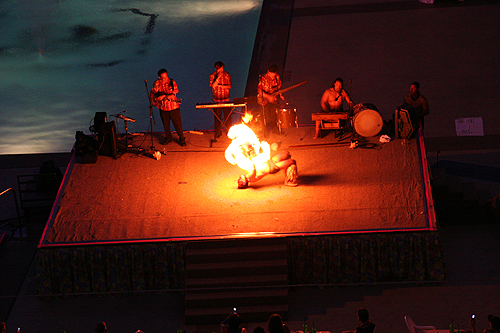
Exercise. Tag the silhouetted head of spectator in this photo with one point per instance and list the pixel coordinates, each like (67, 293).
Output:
(259, 329)
(101, 327)
(3, 328)
(494, 322)
(234, 322)
(275, 324)
(363, 315)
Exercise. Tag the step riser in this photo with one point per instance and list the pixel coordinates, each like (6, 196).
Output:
(231, 303)
(220, 276)
(247, 317)
(237, 257)
(227, 273)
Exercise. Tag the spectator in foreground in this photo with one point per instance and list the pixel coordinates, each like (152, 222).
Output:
(494, 324)
(232, 324)
(259, 329)
(101, 327)
(365, 325)
(275, 324)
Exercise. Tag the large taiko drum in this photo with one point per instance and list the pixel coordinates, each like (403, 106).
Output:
(287, 116)
(366, 120)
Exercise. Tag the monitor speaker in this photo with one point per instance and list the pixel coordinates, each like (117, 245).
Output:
(108, 139)
(100, 119)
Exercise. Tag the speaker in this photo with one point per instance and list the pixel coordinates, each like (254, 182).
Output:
(108, 140)
(405, 122)
(100, 119)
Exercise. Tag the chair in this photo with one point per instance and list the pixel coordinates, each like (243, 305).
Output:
(416, 328)
(37, 194)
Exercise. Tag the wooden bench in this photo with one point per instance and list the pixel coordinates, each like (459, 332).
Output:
(329, 120)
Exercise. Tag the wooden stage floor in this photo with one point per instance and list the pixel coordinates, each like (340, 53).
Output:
(191, 193)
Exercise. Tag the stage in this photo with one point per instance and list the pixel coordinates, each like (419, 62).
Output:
(138, 206)
(191, 193)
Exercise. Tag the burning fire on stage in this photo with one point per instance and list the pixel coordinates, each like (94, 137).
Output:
(254, 156)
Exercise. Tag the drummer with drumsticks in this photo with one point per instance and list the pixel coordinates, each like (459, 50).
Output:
(333, 100)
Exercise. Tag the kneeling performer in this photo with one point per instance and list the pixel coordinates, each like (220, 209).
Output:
(254, 156)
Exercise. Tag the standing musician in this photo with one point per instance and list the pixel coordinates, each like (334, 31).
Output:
(164, 97)
(417, 101)
(269, 84)
(220, 81)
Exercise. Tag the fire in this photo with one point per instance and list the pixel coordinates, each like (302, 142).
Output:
(246, 150)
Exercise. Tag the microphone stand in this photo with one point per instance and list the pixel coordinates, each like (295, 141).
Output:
(350, 93)
(151, 119)
(151, 116)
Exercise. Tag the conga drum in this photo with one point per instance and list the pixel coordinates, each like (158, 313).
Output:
(366, 120)
(287, 116)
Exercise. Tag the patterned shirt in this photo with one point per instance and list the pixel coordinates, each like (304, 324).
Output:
(169, 87)
(220, 94)
(269, 85)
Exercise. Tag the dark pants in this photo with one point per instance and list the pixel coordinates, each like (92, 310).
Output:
(226, 120)
(271, 119)
(175, 116)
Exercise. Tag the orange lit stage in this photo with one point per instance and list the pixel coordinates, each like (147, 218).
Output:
(191, 193)
(124, 224)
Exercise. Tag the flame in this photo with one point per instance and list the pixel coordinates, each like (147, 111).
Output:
(246, 150)
(247, 117)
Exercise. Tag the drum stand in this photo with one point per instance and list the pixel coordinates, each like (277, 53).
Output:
(125, 120)
(126, 132)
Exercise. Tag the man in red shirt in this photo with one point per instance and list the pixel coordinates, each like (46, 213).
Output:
(164, 97)
(220, 81)
(269, 84)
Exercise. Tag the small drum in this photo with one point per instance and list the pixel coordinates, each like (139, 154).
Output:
(287, 116)
(367, 120)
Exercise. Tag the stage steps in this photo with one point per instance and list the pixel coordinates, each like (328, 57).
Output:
(247, 274)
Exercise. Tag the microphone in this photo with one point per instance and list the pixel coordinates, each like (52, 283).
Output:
(340, 93)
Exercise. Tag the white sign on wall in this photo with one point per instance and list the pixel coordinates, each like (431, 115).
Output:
(469, 126)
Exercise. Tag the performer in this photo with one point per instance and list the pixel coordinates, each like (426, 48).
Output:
(164, 97)
(269, 84)
(418, 102)
(220, 81)
(254, 156)
(333, 100)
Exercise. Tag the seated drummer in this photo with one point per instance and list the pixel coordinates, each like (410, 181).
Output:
(333, 100)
